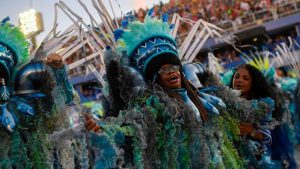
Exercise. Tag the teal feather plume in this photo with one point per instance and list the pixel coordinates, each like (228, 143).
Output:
(139, 32)
(15, 39)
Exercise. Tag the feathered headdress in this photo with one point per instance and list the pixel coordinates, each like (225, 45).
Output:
(263, 63)
(286, 56)
(13, 48)
(149, 45)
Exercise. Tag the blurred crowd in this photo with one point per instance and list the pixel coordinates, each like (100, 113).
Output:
(214, 11)
(218, 11)
(209, 10)
(228, 55)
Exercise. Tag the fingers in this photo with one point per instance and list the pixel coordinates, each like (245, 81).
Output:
(54, 60)
(97, 129)
(245, 128)
(91, 124)
(243, 132)
(87, 116)
(54, 56)
(48, 60)
(246, 124)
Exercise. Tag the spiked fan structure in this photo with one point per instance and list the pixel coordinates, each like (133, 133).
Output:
(262, 63)
(214, 65)
(286, 56)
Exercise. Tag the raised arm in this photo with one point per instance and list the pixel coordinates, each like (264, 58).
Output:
(37, 79)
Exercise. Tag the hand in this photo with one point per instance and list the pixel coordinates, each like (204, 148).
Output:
(54, 60)
(91, 124)
(246, 129)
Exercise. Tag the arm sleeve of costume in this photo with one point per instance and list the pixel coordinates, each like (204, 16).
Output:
(267, 140)
(264, 126)
(264, 130)
(36, 79)
(61, 78)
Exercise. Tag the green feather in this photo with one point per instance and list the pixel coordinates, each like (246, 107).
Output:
(138, 155)
(18, 152)
(15, 39)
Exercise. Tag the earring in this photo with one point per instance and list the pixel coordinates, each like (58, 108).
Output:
(4, 91)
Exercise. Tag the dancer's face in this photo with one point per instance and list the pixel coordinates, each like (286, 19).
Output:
(242, 81)
(170, 76)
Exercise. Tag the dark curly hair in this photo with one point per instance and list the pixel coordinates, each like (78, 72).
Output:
(260, 88)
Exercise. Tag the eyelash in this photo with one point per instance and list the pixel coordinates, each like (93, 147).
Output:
(238, 76)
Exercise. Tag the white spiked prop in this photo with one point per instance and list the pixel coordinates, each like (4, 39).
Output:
(261, 59)
(199, 34)
(286, 56)
(85, 35)
(214, 65)
(99, 75)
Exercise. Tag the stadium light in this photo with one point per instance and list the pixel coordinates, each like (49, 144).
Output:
(30, 22)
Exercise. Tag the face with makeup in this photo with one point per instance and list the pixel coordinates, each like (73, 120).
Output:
(242, 81)
(170, 76)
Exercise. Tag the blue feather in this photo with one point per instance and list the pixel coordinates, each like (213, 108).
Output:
(118, 33)
(172, 26)
(213, 99)
(124, 23)
(5, 20)
(151, 12)
(165, 17)
(209, 107)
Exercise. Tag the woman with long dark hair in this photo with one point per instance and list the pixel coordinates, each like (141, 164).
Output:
(251, 82)
(253, 85)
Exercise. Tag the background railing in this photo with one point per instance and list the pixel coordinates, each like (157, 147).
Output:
(262, 16)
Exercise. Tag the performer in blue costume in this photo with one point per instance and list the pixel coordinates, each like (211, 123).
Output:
(282, 147)
(284, 138)
(252, 84)
(280, 152)
(290, 87)
(161, 120)
(33, 99)
(296, 118)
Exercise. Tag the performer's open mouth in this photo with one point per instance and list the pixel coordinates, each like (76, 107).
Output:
(174, 78)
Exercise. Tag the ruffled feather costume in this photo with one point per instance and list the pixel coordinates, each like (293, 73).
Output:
(151, 129)
(33, 101)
